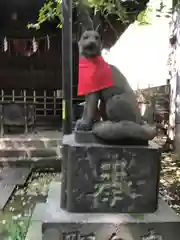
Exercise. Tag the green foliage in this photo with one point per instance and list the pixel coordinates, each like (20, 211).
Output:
(17, 229)
(108, 7)
(51, 10)
(48, 12)
(144, 17)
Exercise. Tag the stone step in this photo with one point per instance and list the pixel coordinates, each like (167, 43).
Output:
(16, 143)
(29, 152)
(39, 149)
(34, 162)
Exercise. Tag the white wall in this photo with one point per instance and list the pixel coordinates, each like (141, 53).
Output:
(141, 54)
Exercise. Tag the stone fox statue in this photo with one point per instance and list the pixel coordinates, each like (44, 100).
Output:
(117, 116)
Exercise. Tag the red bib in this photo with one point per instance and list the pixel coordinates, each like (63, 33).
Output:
(94, 74)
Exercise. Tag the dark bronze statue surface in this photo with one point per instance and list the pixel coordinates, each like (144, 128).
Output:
(111, 114)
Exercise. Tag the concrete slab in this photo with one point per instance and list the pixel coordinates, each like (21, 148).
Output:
(39, 211)
(6, 192)
(15, 176)
(54, 193)
(34, 231)
(35, 226)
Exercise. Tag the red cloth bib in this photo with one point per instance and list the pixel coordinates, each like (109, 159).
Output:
(94, 74)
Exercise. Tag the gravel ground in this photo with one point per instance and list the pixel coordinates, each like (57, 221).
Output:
(170, 180)
(14, 220)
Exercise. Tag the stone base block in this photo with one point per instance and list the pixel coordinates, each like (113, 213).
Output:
(103, 178)
(57, 223)
(100, 231)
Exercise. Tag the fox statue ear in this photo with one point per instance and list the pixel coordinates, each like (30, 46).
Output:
(97, 28)
(84, 17)
(83, 29)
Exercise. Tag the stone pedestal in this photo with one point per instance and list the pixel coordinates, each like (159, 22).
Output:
(60, 224)
(103, 178)
(100, 231)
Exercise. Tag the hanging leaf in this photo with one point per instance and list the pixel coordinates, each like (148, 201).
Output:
(144, 17)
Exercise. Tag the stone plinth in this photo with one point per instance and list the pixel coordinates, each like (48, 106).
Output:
(100, 231)
(60, 224)
(103, 178)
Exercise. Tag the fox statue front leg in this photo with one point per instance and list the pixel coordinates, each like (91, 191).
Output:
(90, 113)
